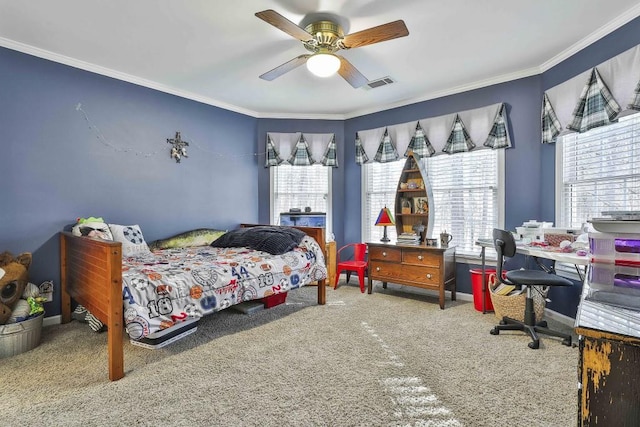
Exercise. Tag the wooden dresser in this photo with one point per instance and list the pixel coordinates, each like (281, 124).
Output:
(421, 266)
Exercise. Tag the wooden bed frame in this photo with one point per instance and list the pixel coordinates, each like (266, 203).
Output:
(91, 274)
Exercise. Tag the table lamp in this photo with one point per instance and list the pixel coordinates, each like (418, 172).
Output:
(385, 218)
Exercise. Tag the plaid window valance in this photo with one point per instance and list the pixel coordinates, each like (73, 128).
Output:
(574, 106)
(459, 140)
(273, 158)
(499, 133)
(300, 149)
(596, 106)
(448, 134)
(386, 150)
(361, 156)
(420, 144)
(635, 104)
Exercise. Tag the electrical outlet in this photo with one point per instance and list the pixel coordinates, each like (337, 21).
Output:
(46, 290)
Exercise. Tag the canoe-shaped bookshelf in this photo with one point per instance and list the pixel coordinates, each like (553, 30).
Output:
(414, 200)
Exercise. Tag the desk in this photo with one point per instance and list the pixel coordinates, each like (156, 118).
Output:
(536, 252)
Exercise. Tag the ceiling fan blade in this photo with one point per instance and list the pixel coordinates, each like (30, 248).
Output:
(274, 18)
(351, 73)
(378, 34)
(285, 68)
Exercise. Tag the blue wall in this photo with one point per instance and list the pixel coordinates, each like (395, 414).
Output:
(57, 166)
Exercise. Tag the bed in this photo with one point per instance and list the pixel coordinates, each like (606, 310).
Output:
(95, 275)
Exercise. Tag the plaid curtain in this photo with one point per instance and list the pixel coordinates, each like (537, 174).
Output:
(301, 156)
(635, 105)
(596, 106)
(361, 156)
(273, 158)
(499, 134)
(551, 126)
(330, 157)
(386, 150)
(459, 140)
(420, 144)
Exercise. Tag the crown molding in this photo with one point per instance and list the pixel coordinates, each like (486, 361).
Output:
(108, 72)
(625, 18)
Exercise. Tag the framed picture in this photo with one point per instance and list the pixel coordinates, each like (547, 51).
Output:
(420, 205)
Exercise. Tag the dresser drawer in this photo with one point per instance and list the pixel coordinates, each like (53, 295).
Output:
(399, 273)
(421, 257)
(385, 254)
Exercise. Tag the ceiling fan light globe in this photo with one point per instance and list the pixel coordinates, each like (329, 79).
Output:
(323, 64)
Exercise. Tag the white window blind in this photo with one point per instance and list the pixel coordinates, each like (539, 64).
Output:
(468, 201)
(300, 187)
(380, 185)
(466, 197)
(598, 171)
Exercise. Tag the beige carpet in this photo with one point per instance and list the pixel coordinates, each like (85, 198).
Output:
(392, 358)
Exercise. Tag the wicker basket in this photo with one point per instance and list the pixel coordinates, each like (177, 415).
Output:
(513, 305)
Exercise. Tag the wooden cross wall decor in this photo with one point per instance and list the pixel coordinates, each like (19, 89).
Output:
(178, 149)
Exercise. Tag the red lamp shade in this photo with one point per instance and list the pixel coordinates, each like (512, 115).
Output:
(385, 217)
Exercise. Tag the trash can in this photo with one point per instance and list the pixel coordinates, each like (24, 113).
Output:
(476, 286)
(16, 338)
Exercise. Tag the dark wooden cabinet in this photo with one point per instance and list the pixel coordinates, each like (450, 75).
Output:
(421, 266)
(609, 379)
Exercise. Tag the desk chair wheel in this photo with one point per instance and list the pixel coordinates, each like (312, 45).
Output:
(495, 330)
(534, 344)
(542, 323)
(567, 342)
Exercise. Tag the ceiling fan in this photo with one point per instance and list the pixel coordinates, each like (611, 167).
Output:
(323, 39)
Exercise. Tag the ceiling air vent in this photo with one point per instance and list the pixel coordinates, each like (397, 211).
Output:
(380, 82)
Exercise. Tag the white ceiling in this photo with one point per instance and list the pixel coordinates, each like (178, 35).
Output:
(213, 51)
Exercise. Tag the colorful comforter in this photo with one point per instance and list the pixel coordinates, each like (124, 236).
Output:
(169, 286)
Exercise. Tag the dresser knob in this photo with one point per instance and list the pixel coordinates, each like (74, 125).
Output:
(384, 254)
(428, 276)
(377, 268)
(420, 257)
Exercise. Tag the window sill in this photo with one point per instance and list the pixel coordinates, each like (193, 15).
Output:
(475, 259)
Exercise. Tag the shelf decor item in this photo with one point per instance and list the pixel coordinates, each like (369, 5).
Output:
(385, 218)
(420, 205)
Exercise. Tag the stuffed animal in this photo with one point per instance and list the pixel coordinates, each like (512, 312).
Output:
(92, 227)
(14, 275)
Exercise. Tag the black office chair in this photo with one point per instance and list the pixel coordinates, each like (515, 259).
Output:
(505, 246)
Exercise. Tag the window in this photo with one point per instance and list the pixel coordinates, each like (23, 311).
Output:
(598, 171)
(380, 182)
(300, 187)
(467, 190)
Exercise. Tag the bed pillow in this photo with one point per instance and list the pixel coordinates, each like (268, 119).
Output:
(198, 237)
(271, 239)
(131, 238)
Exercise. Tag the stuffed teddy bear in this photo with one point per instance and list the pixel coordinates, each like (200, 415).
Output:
(14, 274)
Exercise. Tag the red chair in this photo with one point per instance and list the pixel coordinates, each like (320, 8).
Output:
(358, 263)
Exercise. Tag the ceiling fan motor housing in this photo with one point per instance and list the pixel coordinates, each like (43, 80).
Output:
(326, 35)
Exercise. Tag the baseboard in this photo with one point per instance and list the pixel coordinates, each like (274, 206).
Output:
(558, 317)
(52, 320)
